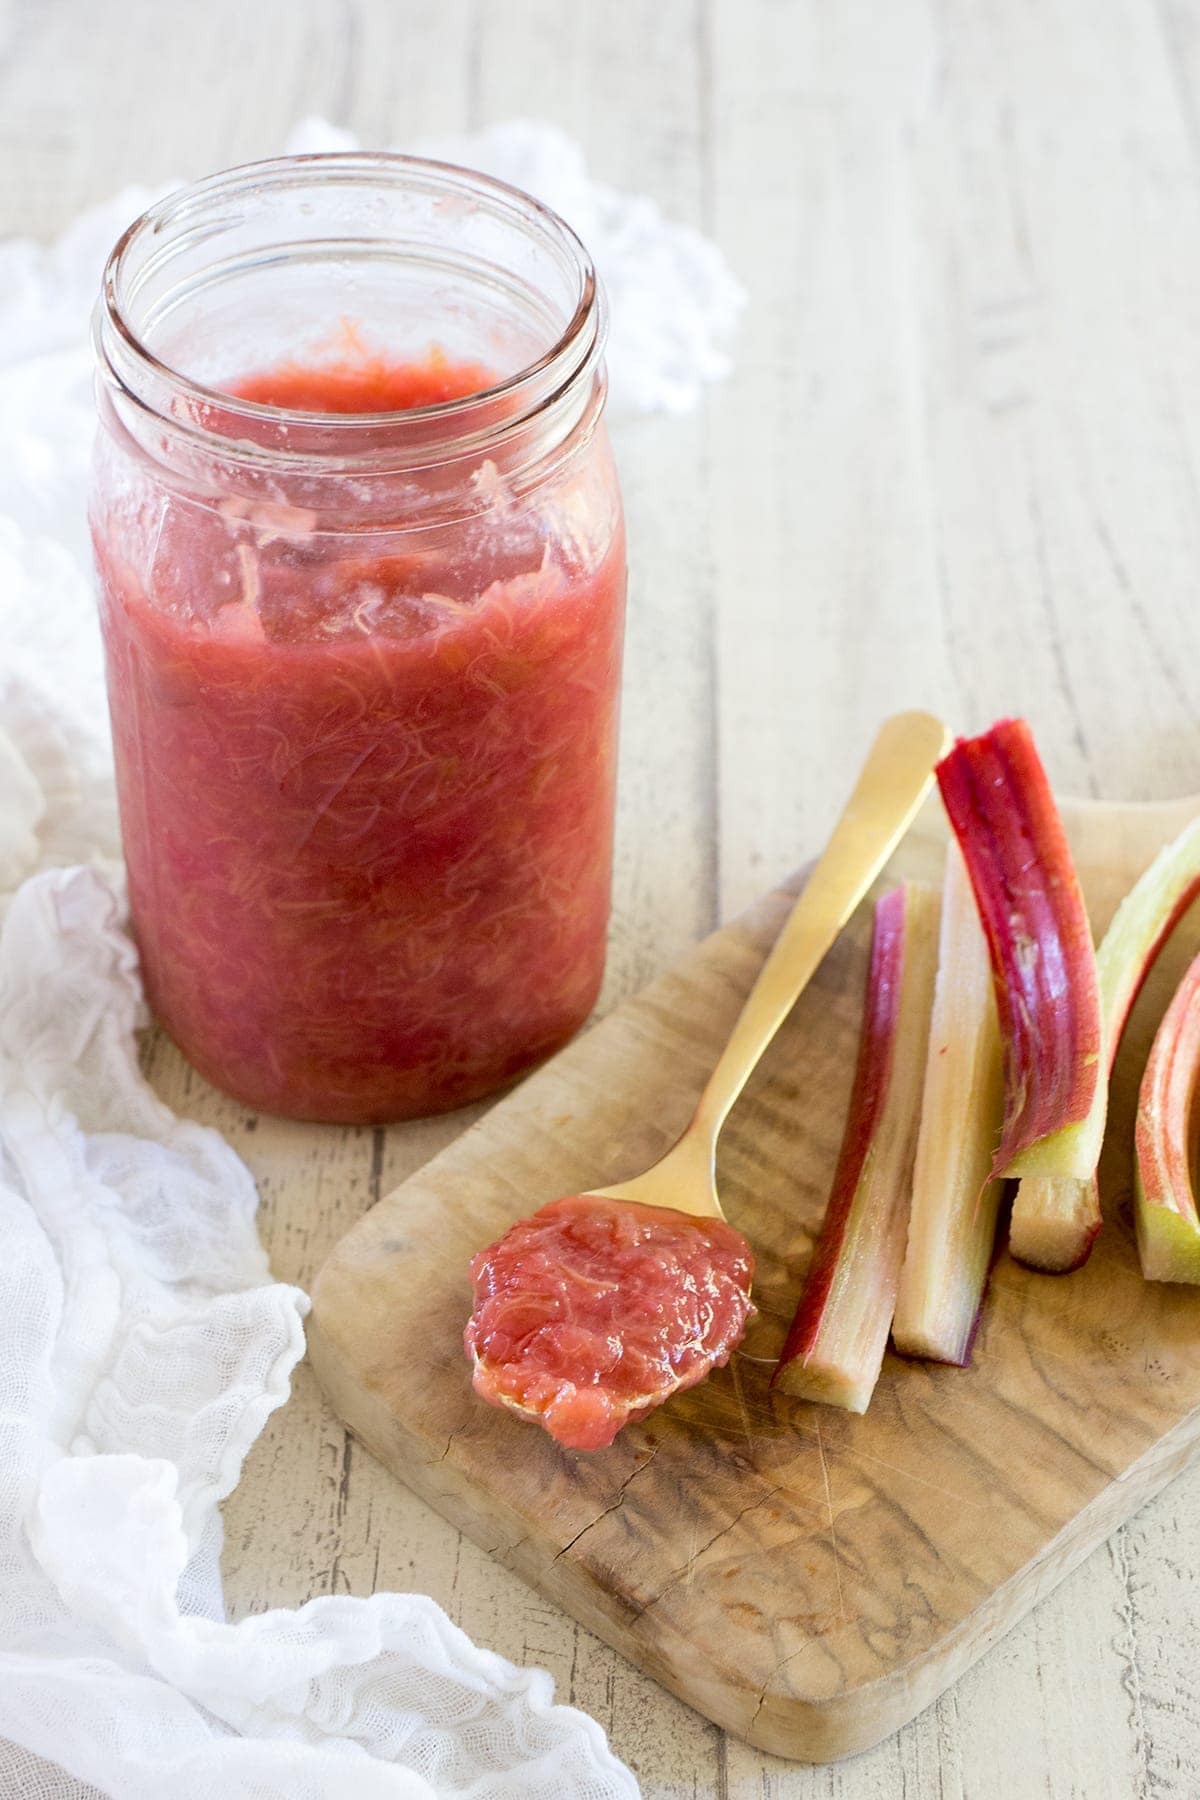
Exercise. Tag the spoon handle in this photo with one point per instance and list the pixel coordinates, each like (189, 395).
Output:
(895, 779)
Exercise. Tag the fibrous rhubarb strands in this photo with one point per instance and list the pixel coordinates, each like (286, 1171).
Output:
(1043, 964)
(835, 1347)
(1168, 1228)
(1055, 1219)
(952, 1222)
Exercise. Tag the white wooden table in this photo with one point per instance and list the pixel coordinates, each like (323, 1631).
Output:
(958, 467)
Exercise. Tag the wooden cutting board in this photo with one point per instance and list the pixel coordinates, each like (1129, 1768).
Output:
(807, 1579)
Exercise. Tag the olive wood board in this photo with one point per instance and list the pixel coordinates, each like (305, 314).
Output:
(808, 1579)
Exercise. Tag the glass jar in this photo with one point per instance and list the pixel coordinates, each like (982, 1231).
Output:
(362, 580)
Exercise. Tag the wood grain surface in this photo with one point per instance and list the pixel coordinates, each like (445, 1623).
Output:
(956, 468)
(806, 1578)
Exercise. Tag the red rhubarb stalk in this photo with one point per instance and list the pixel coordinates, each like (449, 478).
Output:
(1055, 1219)
(1040, 944)
(834, 1349)
(1168, 1227)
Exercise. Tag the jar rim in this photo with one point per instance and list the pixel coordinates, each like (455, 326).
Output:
(518, 398)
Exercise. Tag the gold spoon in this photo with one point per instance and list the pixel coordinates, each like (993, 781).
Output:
(895, 779)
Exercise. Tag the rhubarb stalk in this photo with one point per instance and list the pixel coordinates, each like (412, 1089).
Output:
(1168, 1227)
(1040, 944)
(952, 1224)
(1055, 1219)
(834, 1349)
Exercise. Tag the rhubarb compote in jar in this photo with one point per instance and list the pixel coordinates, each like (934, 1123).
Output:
(362, 580)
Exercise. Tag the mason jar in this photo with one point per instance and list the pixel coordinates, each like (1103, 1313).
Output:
(362, 578)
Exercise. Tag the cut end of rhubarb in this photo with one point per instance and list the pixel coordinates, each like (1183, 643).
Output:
(928, 1344)
(1054, 1223)
(1040, 943)
(826, 1384)
(1168, 1245)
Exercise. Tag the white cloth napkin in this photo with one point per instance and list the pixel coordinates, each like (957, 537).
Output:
(142, 1340)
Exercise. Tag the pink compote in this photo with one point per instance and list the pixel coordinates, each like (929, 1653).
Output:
(366, 794)
(592, 1312)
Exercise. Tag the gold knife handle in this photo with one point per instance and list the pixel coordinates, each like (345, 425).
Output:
(895, 779)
